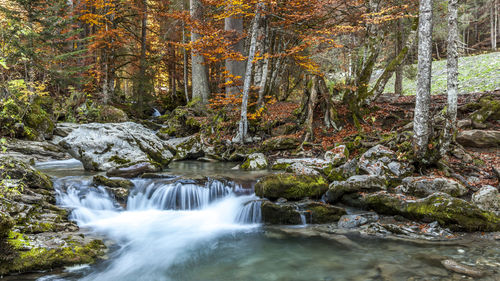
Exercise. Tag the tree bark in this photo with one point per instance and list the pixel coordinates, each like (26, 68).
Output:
(421, 126)
(141, 89)
(265, 70)
(398, 84)
(310, 110)
(199, 76)
(452, 68)
(243, 125)
(493, 23)
(235, 68)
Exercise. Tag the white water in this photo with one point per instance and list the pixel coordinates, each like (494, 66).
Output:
(162, 225)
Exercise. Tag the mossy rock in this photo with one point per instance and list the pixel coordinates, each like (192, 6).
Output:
(291, 186)
(104, 181)
(255, 161)
(280, 143)
(32, 258)
(489, 109)
(354, 184)
(457, 214)
(17, 170)
(111, 114)
(280, 214)
(318, 213)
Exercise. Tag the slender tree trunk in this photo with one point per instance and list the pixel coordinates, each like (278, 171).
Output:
(398, 84)
(310, 110)
(260, 48)
(452, 68)
(141, 90)
(493, 27)
(265, 70)
(235, 68)
(421, 119)
(185, 64)
(200, 87)
(243, 126)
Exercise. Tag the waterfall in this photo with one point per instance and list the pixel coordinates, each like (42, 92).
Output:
(156, 113)
(250, 213)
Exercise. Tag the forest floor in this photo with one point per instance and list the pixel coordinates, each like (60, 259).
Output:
(478, 73)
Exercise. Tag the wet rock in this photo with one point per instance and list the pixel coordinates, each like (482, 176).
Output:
(104, 181)
(355, 184)
(487, 198)
(479, 138)
(313, 163)
(337, 156)
(17, 170)
(301, 169)
(460, 268)
(255, 161)
(120, 194)
(101, 147)
(317, 213)
(280, 213)
(280, 143)
(291, 187)
(450, 212)
(381, 161)
(352, 221)
(33, 151)
(132, 171)
(425, 186)
(182, 122)
(187, 147)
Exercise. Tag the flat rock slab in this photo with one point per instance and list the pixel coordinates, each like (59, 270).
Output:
(479, 138)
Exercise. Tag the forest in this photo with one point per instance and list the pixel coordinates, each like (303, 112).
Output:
(249, 140)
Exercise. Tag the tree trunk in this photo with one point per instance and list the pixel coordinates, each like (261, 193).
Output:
(421, 119)
(185, 64)
(141, 89)
(235, 68)
(398, 83)
(310, 110)
(493, 23)
(199, 76)
(265, 70)
(452, 69)
(243, 126)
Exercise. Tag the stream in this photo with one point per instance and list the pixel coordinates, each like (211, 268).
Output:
(176, 228)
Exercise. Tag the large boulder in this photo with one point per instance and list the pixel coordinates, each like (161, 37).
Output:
(487, 198)
(314, 163)
(255, 161)
(182, 122)
(187, 147)
(337, 156)
(22, 173)
(354, 184)
(381, 161)
(273, 213)
(280, 143)
(291, 187)
(479, 138)
(318, 213)
(450, 212)
(301, 169)
(101, 147)
(425, 186)
(356, 220)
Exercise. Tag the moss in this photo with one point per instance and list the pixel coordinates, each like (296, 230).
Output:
(280, 166)
(118, 160)
(489, 110)
(32, 258)
(280, 143)
(102, 180)
(324, 213)
(333, 173)
(280, 214)
(291, 186)
(21, 171)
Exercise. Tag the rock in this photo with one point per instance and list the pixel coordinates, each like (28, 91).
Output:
(317, 213)
(104, 181)
(337, 156)
(460, 268)
(425, 186)
(34, 151)
(301, 169)
(132, 171)
(479, 138)
(355, 184)
(489, 109)
(120, 194)
(17, 170)
(465, 123)
(291, 187)
(314, 163)
(487, 198)
(457, 214)
(111, 114)
(182, 122)
(101, 147)
(381, 161)
(255, 161)
(6, 223)
(280, 213)
(187, 148)
(280, 143)
(355, 220)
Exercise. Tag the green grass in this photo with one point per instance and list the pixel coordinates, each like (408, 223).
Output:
(478, 73)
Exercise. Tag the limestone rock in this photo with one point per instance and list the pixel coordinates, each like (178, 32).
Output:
(317, 213)
(425, 186)
(101, 147)
(187, 147)
(132, 171)
(337, 156)
(355, 220)
(301, 169)
(290, 186)
(280, 213)
(479, 138)
(355, 184)
(487, 198)
(381, 161)
(255, 161)
(112, 182)
(280, 143)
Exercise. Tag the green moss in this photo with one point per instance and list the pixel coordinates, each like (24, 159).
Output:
(280, 214)
(118, 160)
(489, 110)
(102, 180)
(324, 213)
(291, 186)
(280, 166)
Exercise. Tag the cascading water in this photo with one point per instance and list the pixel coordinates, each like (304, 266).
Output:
(162, 223)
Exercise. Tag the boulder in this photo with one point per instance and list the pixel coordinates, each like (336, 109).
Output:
(448, 211)
(425, 186)
(355, 220)
(280, 213)
(337, 156)
(16, 170)
(187, 147)
(291, 187)
(101, 147)
(280, 143)
(112, 182)
(182, 122)
(133, 170)
(33, 151)
(487, 198)
(301, 169)
(255, 161)
(318, 213)
(461, 268)
(314, 163)
(479, 138)
(381, 161)
(354, 184)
